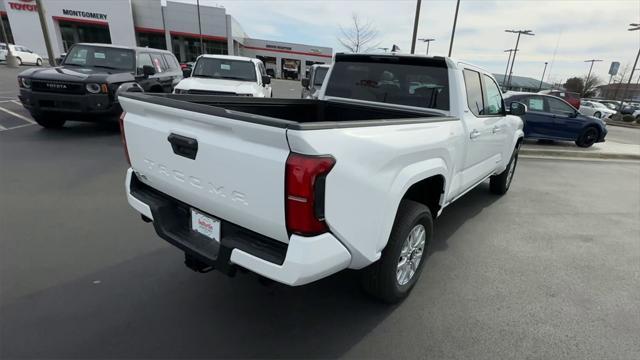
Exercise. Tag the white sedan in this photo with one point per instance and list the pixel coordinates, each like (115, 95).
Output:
(592, 108)
(23, 54)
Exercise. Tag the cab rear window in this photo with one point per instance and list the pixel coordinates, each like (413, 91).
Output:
(390, 80)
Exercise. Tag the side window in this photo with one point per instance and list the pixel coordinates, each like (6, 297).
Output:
(158, 62)
(493, 101)
(143, 59)
(263, 71)
(535, 103)
(171, 61)
(559, 107)
(474, 91)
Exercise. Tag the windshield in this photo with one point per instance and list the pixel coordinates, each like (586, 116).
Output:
(321, 72)
(419, 85)
(225, 69)
(102, 57)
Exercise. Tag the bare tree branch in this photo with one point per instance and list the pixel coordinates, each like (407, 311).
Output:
(360, 37)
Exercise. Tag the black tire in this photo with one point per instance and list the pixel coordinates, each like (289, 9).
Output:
(39, 62)
(19, 61)
(597, 114)
(380, 278)
(48, 121)
(499, 184)
(588, 137)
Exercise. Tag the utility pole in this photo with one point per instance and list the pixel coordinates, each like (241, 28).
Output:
(513, 60)
(11, 60)
(200, 28)
(584, 90)
(415, 26)
(428, 41)
(634, 27)
(542, 78)
(453, 31)
(504, 79)
(45, 32)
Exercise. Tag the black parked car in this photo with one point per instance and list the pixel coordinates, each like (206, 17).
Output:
(84, 86)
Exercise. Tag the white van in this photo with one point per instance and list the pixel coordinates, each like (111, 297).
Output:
(22, 53)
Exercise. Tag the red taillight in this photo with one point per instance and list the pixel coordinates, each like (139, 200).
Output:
(304, 190)
(123, 137)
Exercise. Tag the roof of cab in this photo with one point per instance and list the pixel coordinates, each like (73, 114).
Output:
(229, 57)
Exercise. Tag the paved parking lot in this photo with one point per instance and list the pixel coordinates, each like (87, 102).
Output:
(551, 270)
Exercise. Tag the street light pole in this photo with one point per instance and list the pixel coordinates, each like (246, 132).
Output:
(504, 79)
(415, 26)
(634, 27)
(200, 28)
(542, 78)
(453, 31)
(11, 60)
(428, 41)
(584, 90)
(45, 32)
(513, 59)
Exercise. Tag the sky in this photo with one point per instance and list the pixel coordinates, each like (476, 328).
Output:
(567, 32)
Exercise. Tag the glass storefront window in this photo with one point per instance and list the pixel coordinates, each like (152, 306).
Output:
(152, 40)
(73, 33)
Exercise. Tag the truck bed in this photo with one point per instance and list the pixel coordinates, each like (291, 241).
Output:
(295, 114)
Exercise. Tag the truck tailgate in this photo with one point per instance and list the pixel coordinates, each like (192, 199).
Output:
(238, 171)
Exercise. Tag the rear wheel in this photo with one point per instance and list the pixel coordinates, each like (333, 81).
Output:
(588, 137)
(597, 114)
(48, 121)
(19, 61)
(391, 278)
(499, 184)
(39, 62)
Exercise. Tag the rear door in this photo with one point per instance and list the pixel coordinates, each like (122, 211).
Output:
(237, 170)
(163, 75)
(482, 154)
(539, 122)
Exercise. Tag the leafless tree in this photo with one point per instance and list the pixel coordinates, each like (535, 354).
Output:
(591, 86)
(360, 37)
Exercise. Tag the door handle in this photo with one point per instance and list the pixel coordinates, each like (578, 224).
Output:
(474, 134)
(497, 129)
(183, 146)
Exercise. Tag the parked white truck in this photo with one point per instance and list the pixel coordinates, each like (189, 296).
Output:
(227, 76)
(296, 190)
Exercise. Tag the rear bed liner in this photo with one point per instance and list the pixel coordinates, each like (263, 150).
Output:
(293, 114)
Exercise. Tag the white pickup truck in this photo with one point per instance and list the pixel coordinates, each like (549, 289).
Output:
(296, 190)
(228, 76)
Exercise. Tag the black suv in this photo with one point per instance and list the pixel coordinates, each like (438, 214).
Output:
(84, 86)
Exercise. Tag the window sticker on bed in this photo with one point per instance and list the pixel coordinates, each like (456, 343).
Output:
(225, 67)
(99, 55)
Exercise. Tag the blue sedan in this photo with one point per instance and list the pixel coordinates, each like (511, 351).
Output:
(551, 118)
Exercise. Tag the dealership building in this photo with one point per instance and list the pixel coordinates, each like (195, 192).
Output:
(159, 24)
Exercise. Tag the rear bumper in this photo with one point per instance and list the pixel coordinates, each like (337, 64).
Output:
(303, 260)
(76, 106)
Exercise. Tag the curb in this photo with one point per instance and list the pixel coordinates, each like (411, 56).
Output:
(622, 124)
(577, 154)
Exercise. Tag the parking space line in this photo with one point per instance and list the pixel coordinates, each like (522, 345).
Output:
(17, 115)
(19, 126)
(2, 128)
(16, 102)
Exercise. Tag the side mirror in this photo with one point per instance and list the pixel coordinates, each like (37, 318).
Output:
(517, 108)
(305, 83)
(266, 79)
(148, 70)
(574, 114)
(186, 72)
